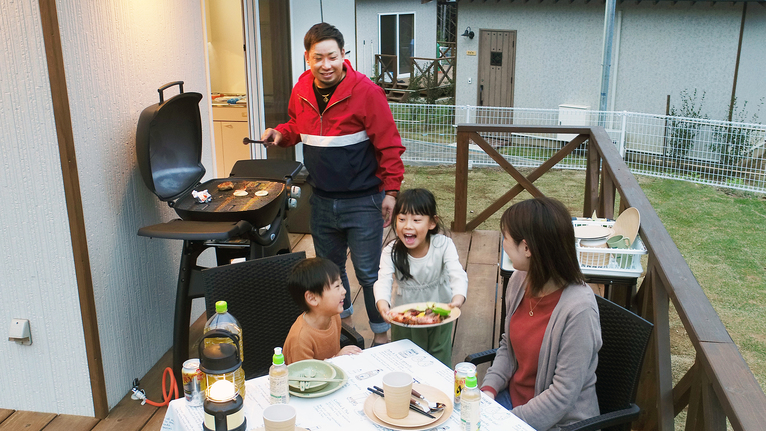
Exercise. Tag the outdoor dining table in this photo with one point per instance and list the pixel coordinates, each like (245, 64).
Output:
(343, 409)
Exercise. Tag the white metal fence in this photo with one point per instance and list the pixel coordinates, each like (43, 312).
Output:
(711, 152)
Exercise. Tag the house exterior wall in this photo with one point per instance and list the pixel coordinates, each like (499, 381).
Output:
(367, 44)
(663, 49)
(666, 49)
(38, 277)
(116, 54)
(559, 40)
(751, 81)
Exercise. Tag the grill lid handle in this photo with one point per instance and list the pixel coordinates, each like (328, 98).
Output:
(160, 90)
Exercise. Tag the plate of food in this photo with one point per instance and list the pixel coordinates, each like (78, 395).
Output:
(423, 314)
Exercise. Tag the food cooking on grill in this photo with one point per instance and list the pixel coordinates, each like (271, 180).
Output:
(429, 315)
(227, 185)
(240, 193)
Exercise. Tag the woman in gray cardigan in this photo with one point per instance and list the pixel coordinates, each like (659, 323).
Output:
(545, 368)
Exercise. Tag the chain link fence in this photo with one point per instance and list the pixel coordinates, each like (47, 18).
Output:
(710, 152)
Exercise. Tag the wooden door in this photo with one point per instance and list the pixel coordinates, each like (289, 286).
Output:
(497, 60)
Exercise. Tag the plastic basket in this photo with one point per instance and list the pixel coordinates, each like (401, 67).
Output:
(616, 262)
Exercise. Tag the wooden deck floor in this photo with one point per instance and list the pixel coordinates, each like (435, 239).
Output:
(479, 253)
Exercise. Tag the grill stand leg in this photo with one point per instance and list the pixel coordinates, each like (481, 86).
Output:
(186, 292)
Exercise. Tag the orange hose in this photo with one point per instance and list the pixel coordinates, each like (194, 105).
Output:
(165, 393)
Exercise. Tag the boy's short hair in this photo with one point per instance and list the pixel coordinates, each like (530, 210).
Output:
(320, 32)
(311, 275)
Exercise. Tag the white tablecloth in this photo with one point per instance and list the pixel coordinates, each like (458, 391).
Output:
(343, 409)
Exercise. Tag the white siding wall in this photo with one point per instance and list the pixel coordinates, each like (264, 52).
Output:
(751, 83)
(116, 54)
(666, 49)
(367, 44)
(38, 279)
(558, 51)
(663, 49)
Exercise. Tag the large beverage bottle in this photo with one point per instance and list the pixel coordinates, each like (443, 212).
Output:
(470, 400)
(278, 386)
(222, 319)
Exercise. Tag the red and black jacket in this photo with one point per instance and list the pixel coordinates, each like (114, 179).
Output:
(351, 149)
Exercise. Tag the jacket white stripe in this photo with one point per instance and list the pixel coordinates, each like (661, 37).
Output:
(334, 141)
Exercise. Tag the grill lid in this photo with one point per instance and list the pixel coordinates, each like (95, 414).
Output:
(169, 144)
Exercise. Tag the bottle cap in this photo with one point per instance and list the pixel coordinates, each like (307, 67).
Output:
(470, 382)
(221, 307)
(278, 358)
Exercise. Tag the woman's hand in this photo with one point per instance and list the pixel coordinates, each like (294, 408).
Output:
(383, 309)
(489, 394)
(457, 301)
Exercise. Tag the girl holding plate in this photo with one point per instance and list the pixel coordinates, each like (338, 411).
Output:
(426, 266)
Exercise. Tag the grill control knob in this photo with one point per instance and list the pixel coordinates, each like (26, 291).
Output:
(292, 203)
(295, 192)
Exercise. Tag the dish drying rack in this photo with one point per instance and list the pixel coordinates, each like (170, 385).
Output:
(614, 262)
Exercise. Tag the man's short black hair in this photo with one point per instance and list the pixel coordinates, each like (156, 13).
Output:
(311, 275)
(320, 32)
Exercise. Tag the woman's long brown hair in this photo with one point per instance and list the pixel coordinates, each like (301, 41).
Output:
(546, 225)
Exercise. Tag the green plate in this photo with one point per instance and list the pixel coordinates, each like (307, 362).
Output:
(330, 388)
(310, 368)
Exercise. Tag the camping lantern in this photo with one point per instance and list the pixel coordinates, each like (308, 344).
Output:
(223, 408)
(221, 361)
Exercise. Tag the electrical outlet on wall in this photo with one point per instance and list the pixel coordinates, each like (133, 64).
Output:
(20, 332)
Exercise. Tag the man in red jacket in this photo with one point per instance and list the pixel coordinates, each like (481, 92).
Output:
(352, 151)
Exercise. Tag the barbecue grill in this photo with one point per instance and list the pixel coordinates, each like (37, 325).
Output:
(169, 152)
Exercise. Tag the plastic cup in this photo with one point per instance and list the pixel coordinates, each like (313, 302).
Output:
(618, 241)
(397, 388)
(279, 417)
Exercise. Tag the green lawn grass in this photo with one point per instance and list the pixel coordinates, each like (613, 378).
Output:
(721, 234)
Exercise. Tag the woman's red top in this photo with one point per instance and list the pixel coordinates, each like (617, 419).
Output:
(526, 336)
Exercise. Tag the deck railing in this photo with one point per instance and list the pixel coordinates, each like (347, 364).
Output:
(720, 385)
(386, 70)
(433, 72)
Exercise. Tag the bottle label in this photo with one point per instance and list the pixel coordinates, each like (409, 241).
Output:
(279, 389)
(469, 415)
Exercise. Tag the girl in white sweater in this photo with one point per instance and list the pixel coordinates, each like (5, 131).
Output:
(426, 266)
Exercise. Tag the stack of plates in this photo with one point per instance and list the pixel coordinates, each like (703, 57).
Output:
(315, 369)
(375, 409)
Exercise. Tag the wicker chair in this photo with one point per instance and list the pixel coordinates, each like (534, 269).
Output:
(625, 337)
(256, 292)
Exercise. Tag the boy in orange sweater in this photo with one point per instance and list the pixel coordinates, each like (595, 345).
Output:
(316, 287)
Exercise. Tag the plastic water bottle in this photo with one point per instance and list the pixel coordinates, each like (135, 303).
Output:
(470, 402)
(278, 387)
(222, 319)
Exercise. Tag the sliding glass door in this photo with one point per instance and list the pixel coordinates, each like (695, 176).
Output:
(397, 37)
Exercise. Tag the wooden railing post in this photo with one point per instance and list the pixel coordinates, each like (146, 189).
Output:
(591, 180)
(647, 385)
(661, 341)
(461, 182)
(705, 411)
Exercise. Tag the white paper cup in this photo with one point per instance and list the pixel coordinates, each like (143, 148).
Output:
(279, 417)
(397, 388)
